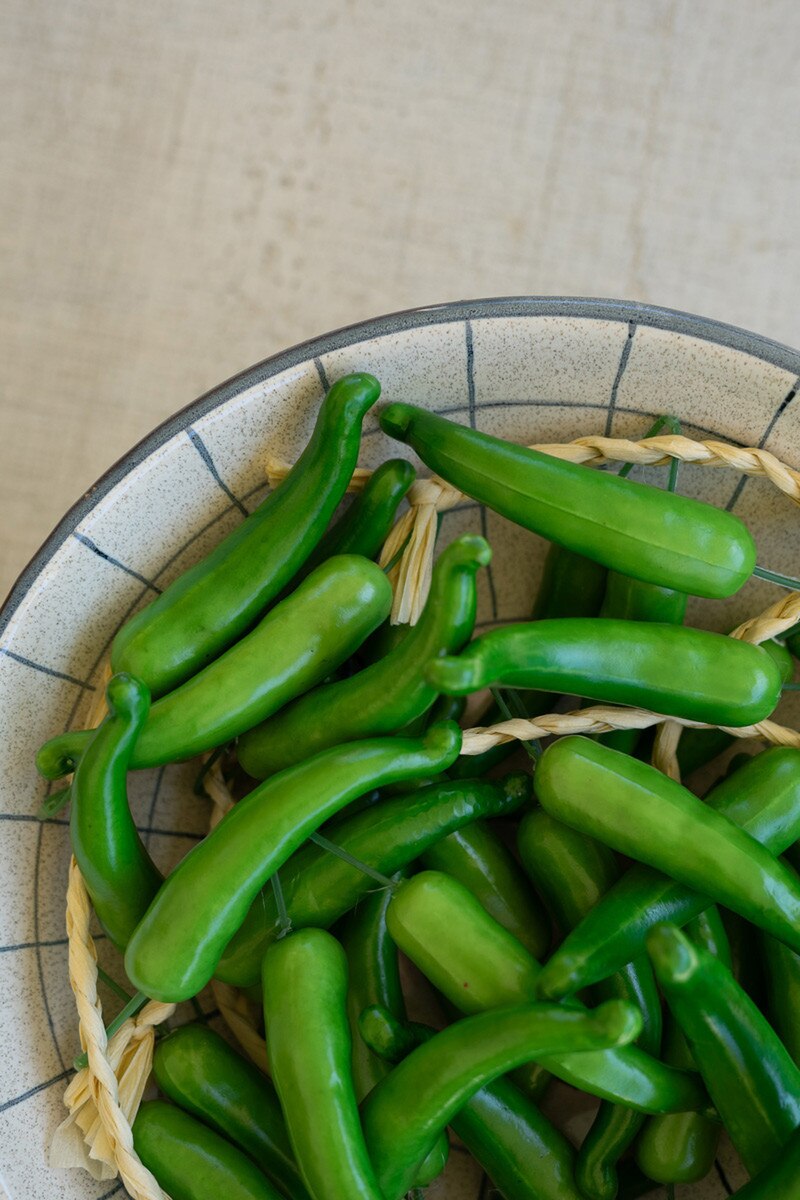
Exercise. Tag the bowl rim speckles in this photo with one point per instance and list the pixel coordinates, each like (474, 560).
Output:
(653, 316)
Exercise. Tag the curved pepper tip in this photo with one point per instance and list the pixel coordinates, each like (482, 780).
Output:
(621, 1020)
(396, 420)
(672, 954)
(453, 675)
(555, 981)
(126, 695)
(444, 741)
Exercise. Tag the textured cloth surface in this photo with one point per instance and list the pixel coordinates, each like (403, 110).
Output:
(190, 187)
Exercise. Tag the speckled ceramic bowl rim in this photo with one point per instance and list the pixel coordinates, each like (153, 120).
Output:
(672, 320)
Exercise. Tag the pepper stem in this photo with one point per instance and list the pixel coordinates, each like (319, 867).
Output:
(352, 861)
(136, 1002)
(284, 920)
(775, 577)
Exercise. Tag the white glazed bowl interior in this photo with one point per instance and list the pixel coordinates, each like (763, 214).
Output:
(531, 370)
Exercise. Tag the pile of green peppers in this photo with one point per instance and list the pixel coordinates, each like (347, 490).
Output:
(576, 914)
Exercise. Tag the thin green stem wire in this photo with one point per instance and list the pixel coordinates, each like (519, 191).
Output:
(787, 581)
(504, 699)
(351, 860)
(112, 983)
(136, 1002)
(395, 559)
(664, 422)
(284, 920)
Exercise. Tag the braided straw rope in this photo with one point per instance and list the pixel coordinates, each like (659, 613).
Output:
(104, 1097)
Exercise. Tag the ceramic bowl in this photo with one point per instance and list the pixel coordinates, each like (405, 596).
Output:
(531, 370)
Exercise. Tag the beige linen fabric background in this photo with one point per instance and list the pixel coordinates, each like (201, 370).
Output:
(191, 186)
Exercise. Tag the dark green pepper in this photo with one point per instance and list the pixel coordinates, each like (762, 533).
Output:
(688, 840)
(318, 887)
(212, 604)
(190, 1161)
(711, 678)
(681, 1147)
(750, 1075)
(523, 1154)
(572, 872)
(571, 585)
(297, 644)
(478, 965)
(780, 1180)
(639, 530)
(120, 876)
(180, 940)
(386, 696)
(782, 970)
(407, 1110)
(304, 977)
(201, 1073)
(763, 797)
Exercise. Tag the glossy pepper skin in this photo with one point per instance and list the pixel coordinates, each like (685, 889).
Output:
(319, 888)
(523, 1154)
(120, 876)
(781, 1179)
(387, 695)
(179, 941)
(201, 1073)
(631, 600)
(403, 1114)
(296, 645)
(476, 856)
(304, 977)
(750, 1076)
(688, 840)
(681, 1147)
(571, 585)
(478, 965)
(209, 606)
(782, 970)
(572, 872)
(711, 678)
(190, 1161)
(763, 797)
(700, 746)
(652, 535)
(373, 978)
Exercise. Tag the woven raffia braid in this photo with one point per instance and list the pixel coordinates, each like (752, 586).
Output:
(104, 1097)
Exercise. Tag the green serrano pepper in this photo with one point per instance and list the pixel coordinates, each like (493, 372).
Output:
(390, 693)
(120, 876)
(681, 1147)
(571, 585)
(631, 600)
(318, 887)
(403, 1114)
(304, 978)
(781, 1179)
(639, 530)
(700, 746)
(524, 1155)
(763, 797)
(782, 970)
(295, 646)
(190, 1161)
(748, 1071)
(711, 678)
(201, 1073)
(179, 941)
(478, 965)
(373, 978)
(571, 873)
(477, 857)
(681, 836)
(209, 606)
(364, 527)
